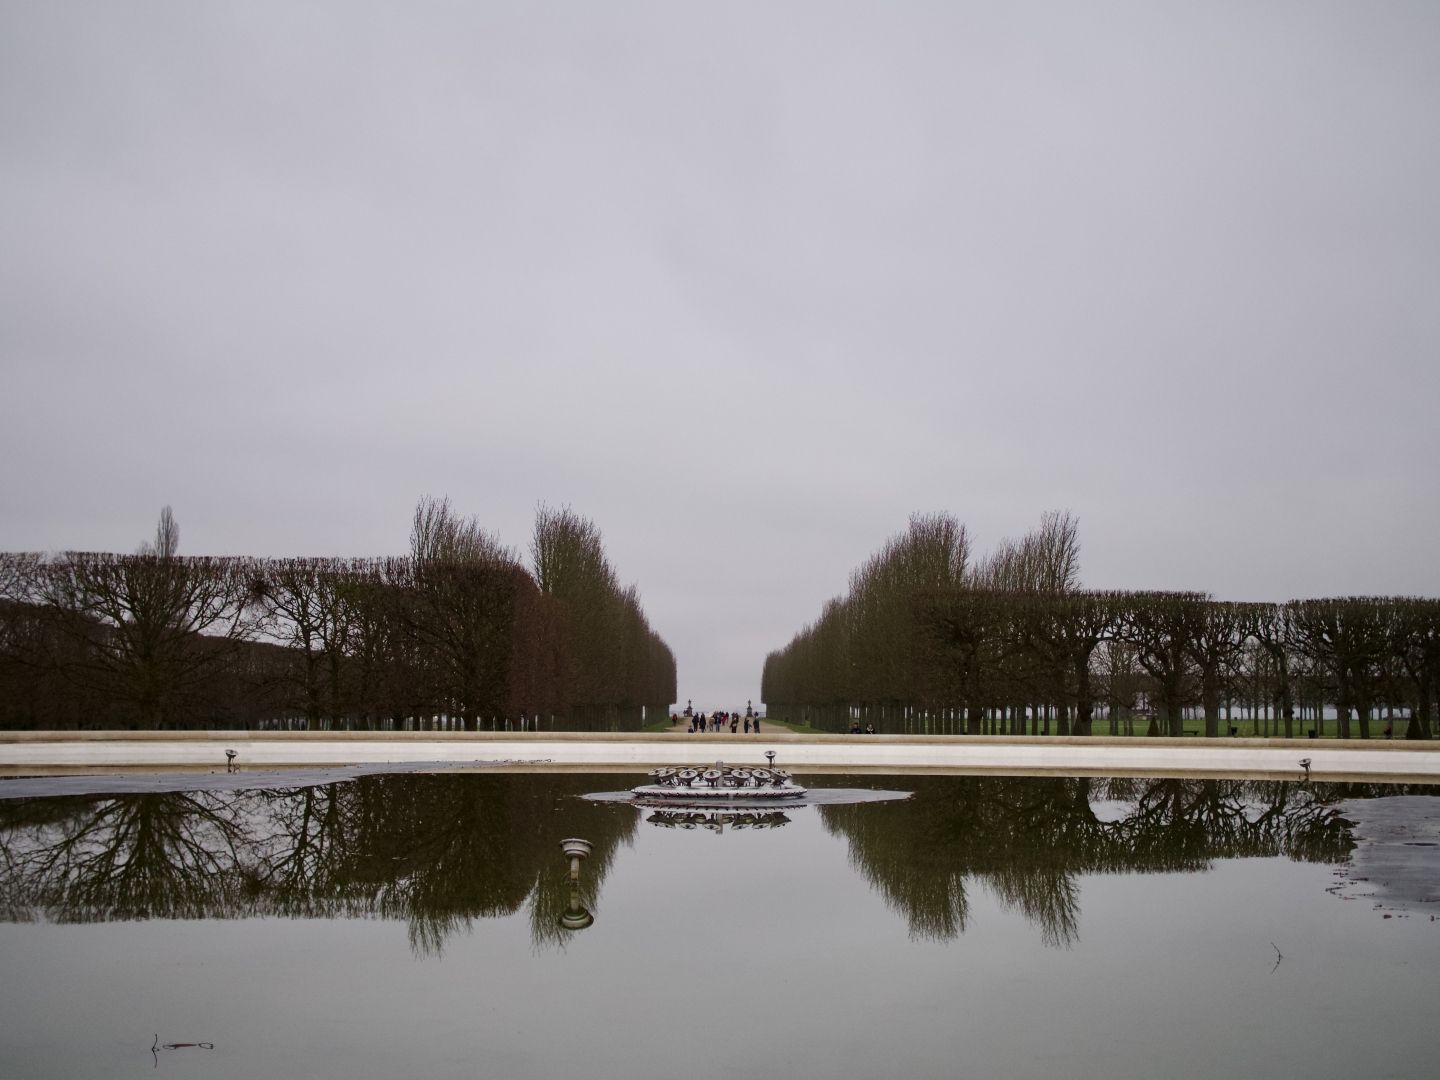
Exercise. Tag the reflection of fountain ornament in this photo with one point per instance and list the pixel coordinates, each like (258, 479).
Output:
(717, 820)
(720, 783)
(577, 916)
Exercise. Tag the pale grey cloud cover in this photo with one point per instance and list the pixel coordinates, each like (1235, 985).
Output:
(744, 283)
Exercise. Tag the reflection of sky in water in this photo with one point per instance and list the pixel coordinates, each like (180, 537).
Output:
(773, 955)
(1111, 810)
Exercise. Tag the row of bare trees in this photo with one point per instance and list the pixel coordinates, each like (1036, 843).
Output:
(928, 640)
(456, 634)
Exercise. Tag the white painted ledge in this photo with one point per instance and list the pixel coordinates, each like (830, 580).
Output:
(39, 751)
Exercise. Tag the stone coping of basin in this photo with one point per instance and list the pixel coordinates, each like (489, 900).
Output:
(669, 739)
(29, 751)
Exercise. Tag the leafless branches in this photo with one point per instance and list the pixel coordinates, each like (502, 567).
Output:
(931, 642)
(458, 632)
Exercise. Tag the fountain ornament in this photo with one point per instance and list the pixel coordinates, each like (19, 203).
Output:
(720, 783)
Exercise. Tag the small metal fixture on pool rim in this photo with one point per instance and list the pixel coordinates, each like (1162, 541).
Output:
(230, 760)
(770, 757)
(1305, 764)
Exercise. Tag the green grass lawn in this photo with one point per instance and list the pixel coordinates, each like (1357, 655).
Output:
(798, 729)
(1274, 729)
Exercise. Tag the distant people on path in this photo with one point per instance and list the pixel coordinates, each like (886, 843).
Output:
(718, 721)
(869, 729)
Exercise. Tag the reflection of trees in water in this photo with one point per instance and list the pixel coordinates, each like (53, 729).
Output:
(440, 851)
(449, 849)
(435, 851)
(171, 855)
(1027, 838)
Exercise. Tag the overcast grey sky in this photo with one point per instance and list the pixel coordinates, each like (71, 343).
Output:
(744, 283)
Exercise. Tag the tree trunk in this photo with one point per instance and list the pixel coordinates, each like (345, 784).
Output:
(1419, 726)
(1084, 701)
(1210, 695)
(1174, 711)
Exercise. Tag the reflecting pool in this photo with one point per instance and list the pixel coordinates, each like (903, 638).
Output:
(986, 926)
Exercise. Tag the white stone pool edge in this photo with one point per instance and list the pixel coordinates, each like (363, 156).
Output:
(37, 752)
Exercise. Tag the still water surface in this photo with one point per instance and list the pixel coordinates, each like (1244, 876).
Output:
(986, 927)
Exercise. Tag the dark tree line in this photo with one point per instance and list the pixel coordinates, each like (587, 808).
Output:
(456, 634)
(926, 641)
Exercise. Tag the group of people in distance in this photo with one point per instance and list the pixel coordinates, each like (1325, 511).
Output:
(855, 728)
(718, 721)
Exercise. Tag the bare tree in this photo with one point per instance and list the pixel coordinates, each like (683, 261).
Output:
(1415, 644)
(1215, 644)
(1046, 560)
(1347, 639)
(437, 534)
(166, 544)
(153, 626)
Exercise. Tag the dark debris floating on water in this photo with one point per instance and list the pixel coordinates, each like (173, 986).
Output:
(156, 1046)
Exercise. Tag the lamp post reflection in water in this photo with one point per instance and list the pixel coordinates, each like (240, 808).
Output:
(577, 917)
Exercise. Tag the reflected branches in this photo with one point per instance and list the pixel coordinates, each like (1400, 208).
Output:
(436, 852)
(441, 851)
(170, 855)
(1027, 840)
